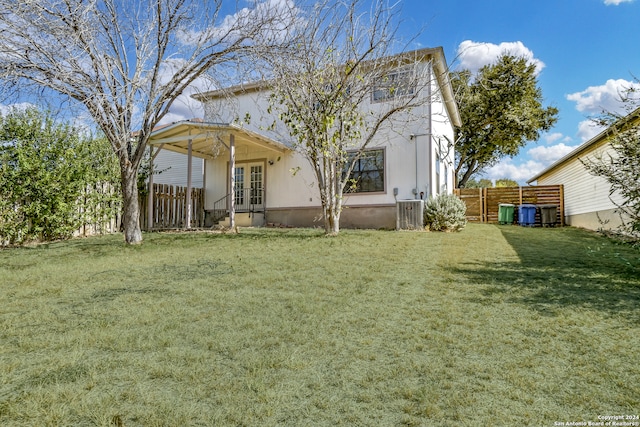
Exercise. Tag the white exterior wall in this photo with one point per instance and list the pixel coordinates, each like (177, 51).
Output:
(409, 160)
(442, 137)
(584, 193)
(283, 189)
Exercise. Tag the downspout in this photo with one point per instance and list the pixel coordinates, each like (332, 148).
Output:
(428, 134)
(232, 183)
(429, 131)
(150, 195)
(416, 190)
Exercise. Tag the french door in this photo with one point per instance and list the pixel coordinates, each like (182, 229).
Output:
(249, 186)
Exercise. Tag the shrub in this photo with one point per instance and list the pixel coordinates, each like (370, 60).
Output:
(445, 212)
(621, 169)
(52, 178)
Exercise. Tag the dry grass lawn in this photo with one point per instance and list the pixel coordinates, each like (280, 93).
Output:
(495, 325)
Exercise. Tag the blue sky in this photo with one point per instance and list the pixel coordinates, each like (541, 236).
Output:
(586, 50)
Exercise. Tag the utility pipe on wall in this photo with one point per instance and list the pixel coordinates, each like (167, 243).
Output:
(429, 130)
(232, 181)
(429, 145)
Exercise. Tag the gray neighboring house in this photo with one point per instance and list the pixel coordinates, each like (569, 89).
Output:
(171, 168)
(587, 199)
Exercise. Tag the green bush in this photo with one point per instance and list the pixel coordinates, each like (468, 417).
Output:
(621, 170)
(52, 178)
(445, 212)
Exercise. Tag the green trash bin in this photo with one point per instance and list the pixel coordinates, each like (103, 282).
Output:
(505, 213)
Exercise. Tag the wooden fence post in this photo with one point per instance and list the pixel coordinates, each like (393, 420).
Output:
(561, 205)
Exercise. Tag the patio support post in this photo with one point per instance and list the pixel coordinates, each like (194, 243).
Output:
(188, 202)
(150, 196)
(232, 181)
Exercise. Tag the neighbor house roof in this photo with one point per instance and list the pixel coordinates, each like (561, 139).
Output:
(630, 120)
(439, 65)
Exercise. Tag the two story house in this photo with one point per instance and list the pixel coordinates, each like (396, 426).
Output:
(256, 163)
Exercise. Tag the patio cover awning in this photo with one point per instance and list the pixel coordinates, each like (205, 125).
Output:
(206, 138)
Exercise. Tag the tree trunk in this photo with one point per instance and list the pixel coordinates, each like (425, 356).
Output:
(332, 212)
(467, 175)
(335, 224)
(332, 203)
(331, 220)
(131, 207)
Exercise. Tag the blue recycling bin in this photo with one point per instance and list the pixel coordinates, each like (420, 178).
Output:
(527, 215)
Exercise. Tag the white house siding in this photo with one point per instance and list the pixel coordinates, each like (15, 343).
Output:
(291, 187)
(171, 169)
(586, 197)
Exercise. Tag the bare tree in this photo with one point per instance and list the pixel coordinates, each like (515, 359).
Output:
(620, 165)
(127, 62)
(342, 86)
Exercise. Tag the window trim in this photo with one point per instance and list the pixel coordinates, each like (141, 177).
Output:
(384, 173)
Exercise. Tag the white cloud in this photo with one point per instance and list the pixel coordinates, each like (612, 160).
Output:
(550, 154)
(521, 170)
(268, 20)
(552, 137)
(184, 107)
(588, 129)
(475, 55)
(518, 172)
(606, 97)
(616, 2)
(20, 106)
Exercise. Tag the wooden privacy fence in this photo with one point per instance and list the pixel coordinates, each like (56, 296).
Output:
(170, 207)
(99, 207)
(482, 203)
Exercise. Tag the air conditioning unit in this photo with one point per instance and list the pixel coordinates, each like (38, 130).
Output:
(409, 214)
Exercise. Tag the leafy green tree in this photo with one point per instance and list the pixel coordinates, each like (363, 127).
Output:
(48, 172)
(482, 183)
(501, 109)
(506, 182)
(622, 170)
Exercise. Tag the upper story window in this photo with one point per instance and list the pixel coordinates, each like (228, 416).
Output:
(368, 172)
(394, 84)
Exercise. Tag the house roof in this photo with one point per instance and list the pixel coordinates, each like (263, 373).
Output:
(632, 119)
(206, 138)
(427, 54)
